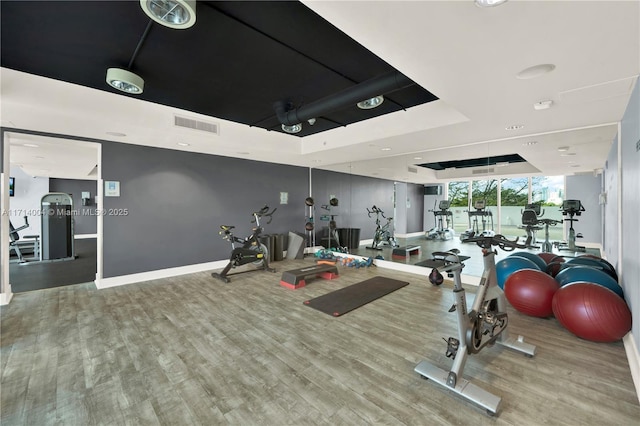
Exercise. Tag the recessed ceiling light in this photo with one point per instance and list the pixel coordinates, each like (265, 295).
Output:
(39, 157)
(118, 134)
(385, 149)
(243, 152)
(563, 148)
(567, 154)
(371, 103)
(31, 145)
(515, 127)
(535, 71)
(575, 165)
(417, 158)
(489, 3)
(183, 144)
(530, 143)
(125, 81)
(176, 14)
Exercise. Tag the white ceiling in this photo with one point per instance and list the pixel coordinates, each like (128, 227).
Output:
(467, 56)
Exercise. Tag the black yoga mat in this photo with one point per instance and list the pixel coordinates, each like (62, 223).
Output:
(341, 301)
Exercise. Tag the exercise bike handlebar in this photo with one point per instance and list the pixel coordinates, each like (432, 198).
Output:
(375, 210)
(498, 240)
(263, 212)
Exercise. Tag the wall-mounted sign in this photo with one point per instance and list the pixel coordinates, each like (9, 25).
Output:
(111, 188)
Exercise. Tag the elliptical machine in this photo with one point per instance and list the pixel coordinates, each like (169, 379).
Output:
(383, 234)
(571, 208)
(443, 218)
(252, 250)
(483, 326)
(481, 211)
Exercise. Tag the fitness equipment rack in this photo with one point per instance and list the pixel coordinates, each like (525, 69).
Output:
(443, 218)
(571, 208)
(382, 234)
(252, 250)
(483, 326)
(481, 211)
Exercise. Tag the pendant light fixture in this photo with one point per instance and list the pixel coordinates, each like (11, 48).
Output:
(125, 81)
(176, 14)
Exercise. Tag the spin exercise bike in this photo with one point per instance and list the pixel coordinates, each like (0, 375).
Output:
(571, 208)
(382, 235)
(442, 219)
(483, 326)
(252, 251)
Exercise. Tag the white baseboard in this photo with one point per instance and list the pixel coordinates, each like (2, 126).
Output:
(158, 274)
(5, 298)
(631, 348)
(84, 236)
(409, 235)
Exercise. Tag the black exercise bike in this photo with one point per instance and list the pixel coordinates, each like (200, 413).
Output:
(252, 250)
(383, 234)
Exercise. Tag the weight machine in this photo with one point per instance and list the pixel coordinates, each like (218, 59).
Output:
(483, 326)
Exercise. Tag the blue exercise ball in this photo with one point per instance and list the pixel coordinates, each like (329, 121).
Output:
(532, 257)
(587, 274)
(594, 262)
(511, 264)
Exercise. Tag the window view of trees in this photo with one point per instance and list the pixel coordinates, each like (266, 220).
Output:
(459, 194)
(548, 191)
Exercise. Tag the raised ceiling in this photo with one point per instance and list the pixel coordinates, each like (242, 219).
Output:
(467, 57)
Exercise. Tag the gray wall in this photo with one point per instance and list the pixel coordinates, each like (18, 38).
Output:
(176, 201)
(586, 188)
(400, 194)
(630, 256)
(611, 215)
(415, 213)
(85, 221)
(356, 194)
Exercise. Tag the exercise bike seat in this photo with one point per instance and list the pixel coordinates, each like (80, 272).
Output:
(226, 228)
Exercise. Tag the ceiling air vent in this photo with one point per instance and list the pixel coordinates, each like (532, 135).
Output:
(412, 170)
(190, 123)
(482, 171)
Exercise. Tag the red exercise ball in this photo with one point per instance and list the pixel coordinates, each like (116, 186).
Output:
(531, 292)
(592, 312)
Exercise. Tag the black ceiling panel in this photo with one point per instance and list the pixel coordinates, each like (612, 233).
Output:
(234, 63)
(474, 162)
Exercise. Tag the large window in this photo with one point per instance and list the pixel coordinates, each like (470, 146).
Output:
(548, 191)
(514, 195)
(486, 190)
(459, 198)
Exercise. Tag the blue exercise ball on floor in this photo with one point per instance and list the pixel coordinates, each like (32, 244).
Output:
(597, 263)
(511, 264)
(532, 257)
(587, 274)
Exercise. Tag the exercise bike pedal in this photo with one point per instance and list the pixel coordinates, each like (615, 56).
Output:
(452, 347)
(452, 308)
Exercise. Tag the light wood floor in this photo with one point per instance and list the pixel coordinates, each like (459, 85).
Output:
(193, 350)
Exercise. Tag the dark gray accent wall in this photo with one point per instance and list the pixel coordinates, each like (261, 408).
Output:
(85, 220)
(355, 194)
(172, 203)
(415, 213)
